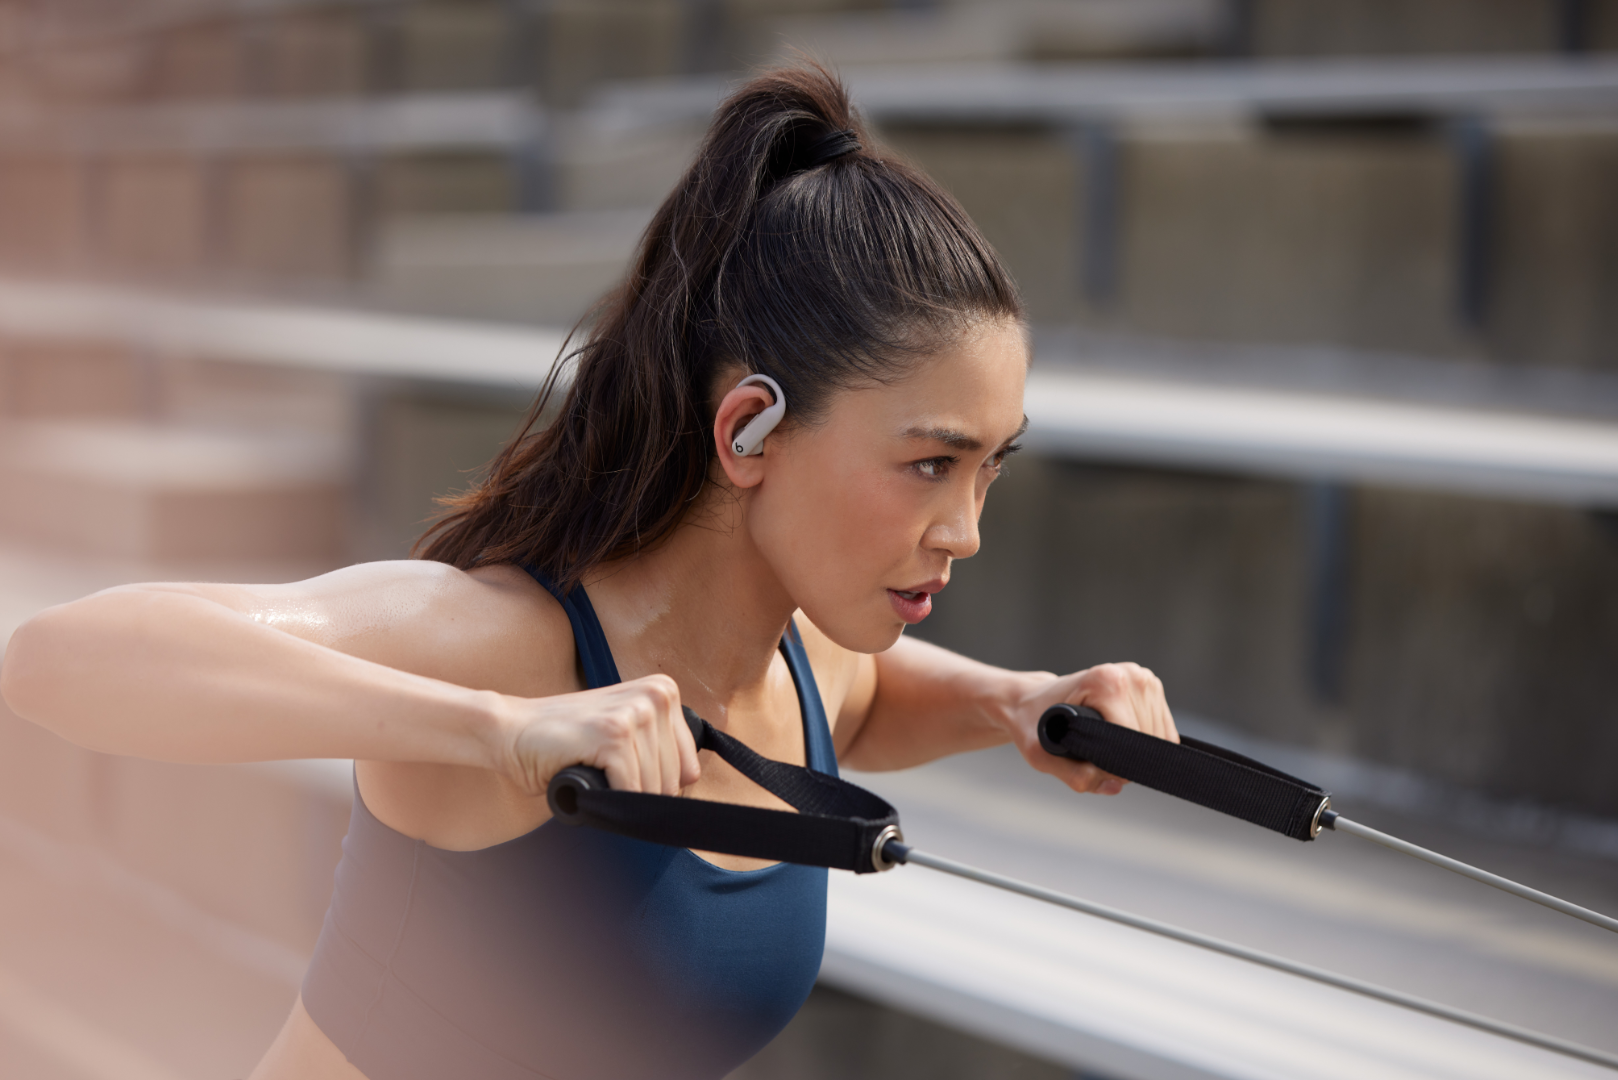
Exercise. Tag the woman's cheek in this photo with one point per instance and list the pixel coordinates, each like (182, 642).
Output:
(878, 519)
(819, 533)
(857, 538)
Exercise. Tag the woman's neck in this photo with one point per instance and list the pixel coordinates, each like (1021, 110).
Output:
(702, 607)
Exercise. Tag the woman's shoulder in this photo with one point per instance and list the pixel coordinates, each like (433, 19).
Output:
(503, 631)
(489, 628)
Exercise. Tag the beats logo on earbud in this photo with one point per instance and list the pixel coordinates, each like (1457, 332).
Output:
(750, 439)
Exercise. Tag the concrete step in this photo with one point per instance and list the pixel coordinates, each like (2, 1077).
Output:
(87, 372)
(252, 846)
(1465, 639)
(161, 493)
(425, 402)
(220, 51)
(1552, 270)
(603, 164)
(1383, 27)
(42, 379)
(1034, 29)
(216, 50)
(1239, 231)
(298, 191)
(1007, 31)
(106, 976)
(43, 220)
(266, 187)
(542, 268)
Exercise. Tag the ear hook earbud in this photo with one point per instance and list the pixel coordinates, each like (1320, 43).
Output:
(750, 439)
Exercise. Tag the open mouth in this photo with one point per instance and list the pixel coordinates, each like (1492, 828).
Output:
(911, 605)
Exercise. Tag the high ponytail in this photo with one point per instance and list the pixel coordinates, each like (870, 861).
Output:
(792, 247)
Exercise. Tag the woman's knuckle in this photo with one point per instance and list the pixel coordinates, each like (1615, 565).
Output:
(1110, 677)
(620, 724)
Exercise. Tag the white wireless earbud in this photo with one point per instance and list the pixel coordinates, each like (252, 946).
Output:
(750, 439)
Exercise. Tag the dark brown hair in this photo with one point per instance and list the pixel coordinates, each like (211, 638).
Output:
(823, 274)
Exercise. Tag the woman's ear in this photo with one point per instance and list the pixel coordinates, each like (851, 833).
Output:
(737, 410)
(749, 440)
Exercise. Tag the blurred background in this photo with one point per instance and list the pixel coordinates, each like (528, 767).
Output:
(1325, 432)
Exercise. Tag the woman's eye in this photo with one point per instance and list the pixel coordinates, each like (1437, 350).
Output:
(935, 468)
(998, 462)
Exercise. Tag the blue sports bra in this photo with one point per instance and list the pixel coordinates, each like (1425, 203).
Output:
(567, 953)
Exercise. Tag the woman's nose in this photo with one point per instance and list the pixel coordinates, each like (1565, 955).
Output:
(956, 533)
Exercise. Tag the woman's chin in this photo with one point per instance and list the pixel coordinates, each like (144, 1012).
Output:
(874, 633)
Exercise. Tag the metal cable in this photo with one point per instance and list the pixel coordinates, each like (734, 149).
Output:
(1342, 824)
(897, 852)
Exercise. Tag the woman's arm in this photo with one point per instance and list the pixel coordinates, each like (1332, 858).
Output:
(917, 702)
(407, 661)
(183, 673)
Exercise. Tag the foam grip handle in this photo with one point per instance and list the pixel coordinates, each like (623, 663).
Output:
(563, 792)
(1053, 727)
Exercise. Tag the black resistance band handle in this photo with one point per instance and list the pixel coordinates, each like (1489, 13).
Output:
(838, 825)
(1191, 769)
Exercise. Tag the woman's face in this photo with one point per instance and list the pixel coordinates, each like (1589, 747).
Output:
(861, 515)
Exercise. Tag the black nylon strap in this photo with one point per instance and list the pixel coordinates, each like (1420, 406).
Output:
(1193, 770)
(837, 824)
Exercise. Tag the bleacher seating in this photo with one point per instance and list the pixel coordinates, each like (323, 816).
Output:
(1323, 416)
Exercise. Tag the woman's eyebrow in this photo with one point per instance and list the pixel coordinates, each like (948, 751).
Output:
(957, 440)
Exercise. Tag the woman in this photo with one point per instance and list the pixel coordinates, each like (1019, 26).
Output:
(635, 554)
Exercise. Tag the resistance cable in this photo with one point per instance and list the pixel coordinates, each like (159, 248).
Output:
(842, 826)
(1221, 780)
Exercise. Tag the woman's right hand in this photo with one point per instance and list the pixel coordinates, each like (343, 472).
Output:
(633, 731)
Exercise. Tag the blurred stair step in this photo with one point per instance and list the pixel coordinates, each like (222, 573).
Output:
(1305, 233)
(540, 268)
(109, 974)
(167, 494)
(74, 378)
(1008, 30)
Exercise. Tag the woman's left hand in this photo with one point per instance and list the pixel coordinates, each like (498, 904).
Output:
(1125, 694)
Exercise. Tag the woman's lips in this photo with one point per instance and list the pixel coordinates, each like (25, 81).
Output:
(911, 606)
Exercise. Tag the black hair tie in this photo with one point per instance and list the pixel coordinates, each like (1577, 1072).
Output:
(832, 145)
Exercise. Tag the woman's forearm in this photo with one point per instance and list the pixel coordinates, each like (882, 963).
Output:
(170, 675)
(930, 702)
